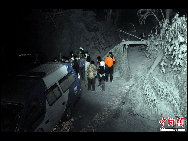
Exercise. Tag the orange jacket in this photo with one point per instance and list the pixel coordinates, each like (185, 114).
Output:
(109, 61)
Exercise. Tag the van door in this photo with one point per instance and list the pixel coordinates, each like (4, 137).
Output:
(65, 84)
(56, 104)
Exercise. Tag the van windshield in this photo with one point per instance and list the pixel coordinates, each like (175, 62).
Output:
(10, 116)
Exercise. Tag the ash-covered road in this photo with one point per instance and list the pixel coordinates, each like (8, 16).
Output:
(106, 112)
(94, 110)
(109, 111)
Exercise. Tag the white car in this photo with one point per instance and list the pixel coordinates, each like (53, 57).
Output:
(37, 100)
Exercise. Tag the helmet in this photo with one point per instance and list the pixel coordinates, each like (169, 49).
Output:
(81, 48)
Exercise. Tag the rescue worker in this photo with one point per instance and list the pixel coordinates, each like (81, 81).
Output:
(86, 54)
(66, 59)
(55, 59)
(82, 67)
(63, 59)
(98, 64)
(101, 72)
(92, 72)
(80, 52)
(71, 54)
(99, 60)
(87, 63)
(76, 65)
(109, 61)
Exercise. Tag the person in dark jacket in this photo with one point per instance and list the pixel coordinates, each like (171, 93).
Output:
(82, 68)
(63, 59)
(98, 64)
(76, 65)
(55, 59)
(101, 72)
(87, 63)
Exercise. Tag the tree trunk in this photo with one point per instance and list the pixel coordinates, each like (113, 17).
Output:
(108, 14)
(156, 62)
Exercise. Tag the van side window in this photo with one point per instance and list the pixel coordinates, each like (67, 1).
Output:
(67, 81)
(52, 94)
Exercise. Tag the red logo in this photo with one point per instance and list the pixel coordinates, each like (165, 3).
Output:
(162, 121)
(171, 121)
(179, 121)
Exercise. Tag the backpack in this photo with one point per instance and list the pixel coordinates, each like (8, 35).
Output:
(91, 71)
(82, 63)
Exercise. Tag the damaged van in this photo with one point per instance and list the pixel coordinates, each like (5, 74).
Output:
(36, 100)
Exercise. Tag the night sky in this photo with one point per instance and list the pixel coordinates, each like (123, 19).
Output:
(16, 26)
(15, 23)
(20, 31)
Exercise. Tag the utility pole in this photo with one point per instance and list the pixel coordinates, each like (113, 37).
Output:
(168, 14)
(108, 14)
(60, 57)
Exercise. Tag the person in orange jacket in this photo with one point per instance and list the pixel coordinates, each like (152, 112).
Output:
(109, 61)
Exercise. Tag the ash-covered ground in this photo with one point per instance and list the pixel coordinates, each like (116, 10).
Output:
(109, 111)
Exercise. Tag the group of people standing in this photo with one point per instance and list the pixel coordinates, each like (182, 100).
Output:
(87, 71)
(103, 69)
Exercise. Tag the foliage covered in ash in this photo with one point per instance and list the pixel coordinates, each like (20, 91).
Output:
(163, 91)
(172, 41)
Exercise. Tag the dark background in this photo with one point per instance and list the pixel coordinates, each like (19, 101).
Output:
(32, 31)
